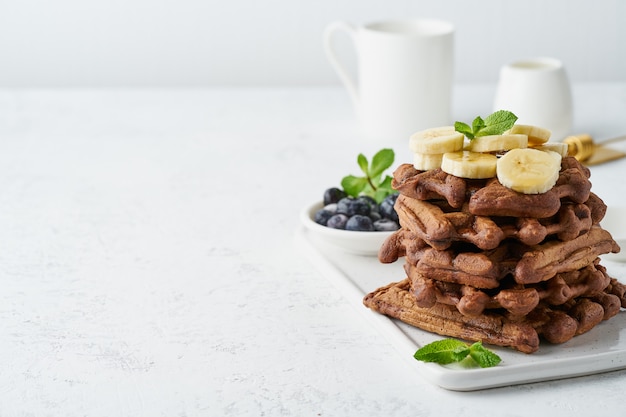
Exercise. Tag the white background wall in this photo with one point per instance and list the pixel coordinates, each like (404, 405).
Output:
(278, 42)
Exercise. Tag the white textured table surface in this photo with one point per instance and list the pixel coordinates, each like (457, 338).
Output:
(148, 267)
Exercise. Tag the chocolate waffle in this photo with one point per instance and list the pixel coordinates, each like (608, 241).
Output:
(489, 197)
(441, 225)
(516, 299)
(556, 324)
(485, 269)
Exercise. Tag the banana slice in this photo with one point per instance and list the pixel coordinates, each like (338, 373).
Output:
(426, 162)
(558, 147)
(437, 140)
(536, 135)
(496, 143)
(529, 171)
(466, 164)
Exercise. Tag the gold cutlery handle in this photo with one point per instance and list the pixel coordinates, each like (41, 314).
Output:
(587, 151)
(580, 147)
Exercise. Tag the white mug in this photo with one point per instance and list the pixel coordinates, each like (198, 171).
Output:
(405, 75)
(538, 92)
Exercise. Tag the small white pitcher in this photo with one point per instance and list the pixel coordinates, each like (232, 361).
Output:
(537, 90)
(405, 75)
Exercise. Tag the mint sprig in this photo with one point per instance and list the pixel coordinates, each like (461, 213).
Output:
(483, 356)
(494, 124)
(373, 184)
(451, 350)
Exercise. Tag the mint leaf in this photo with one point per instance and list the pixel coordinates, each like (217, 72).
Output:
(451, 350)
(380, 162)
(483, 356)
(464, 129)
(495, 124)
(443, 351)
(353, 185)
(363, 163)
(386, 184)
(478, 124)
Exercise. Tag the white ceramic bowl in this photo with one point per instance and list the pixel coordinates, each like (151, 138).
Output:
(360, 243)
(615, 223)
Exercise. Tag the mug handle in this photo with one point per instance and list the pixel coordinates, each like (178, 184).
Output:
(347, 80)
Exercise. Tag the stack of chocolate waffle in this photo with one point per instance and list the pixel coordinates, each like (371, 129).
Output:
(484, 262)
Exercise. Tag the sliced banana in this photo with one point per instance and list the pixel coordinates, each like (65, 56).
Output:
(558, 147)
(437, 140)
(426, 162)
(529, 171)
(496, 143)
(536, 135)
(466, 164)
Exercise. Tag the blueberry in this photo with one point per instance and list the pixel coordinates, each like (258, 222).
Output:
(375, 209)
(337, 221)
(322, 216)
(369, 200)
(361, 207)
(386, 208)
(360, 223)
(386, 225)
(332, 207)
(375, 215)
(333, 195)
(342, 205)
(350, 207)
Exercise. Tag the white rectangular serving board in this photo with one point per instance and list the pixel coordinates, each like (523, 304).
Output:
(602, 349)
